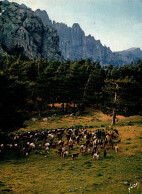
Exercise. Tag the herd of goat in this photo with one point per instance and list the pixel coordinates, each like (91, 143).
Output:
(64, 141)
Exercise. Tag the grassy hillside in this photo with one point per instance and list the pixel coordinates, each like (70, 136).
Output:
(51, 173)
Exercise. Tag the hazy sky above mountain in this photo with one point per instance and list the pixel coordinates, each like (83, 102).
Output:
(117, 23)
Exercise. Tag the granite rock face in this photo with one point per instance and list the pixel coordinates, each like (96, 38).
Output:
(23, 31)
(75, 45)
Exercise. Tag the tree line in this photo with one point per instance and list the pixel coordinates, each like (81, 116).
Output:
(28, 85)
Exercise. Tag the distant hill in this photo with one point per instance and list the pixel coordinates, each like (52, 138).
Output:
(22, 31)
(132, 52)
(75, 45)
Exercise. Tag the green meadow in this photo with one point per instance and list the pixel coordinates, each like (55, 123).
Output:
(44, 172)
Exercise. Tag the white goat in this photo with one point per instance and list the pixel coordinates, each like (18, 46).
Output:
(95, 155)
(32, 145)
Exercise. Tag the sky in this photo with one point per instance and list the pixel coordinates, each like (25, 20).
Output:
(116, 23)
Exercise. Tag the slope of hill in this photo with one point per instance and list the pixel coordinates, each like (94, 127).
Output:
(43, 171)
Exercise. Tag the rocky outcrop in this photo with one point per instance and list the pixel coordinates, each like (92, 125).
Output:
(75, 45)
(23, 31)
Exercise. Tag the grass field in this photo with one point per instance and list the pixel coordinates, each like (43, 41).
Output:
(51, 173)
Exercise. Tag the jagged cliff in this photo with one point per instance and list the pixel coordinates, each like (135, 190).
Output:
(34, 35)
(75, 45)
(21, 30)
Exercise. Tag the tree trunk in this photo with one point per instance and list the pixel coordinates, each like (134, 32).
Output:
(62, 106)
(98, 100)
(67, 107)
(39, 113)
(114, 113)
(114, 117)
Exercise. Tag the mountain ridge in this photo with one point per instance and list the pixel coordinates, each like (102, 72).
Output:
(35, 35)
(131, 53)
(75, 45)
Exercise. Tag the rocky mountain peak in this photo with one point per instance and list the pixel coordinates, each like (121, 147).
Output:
(24, 32)
(24, 6)
(44, 16)
(76, 26)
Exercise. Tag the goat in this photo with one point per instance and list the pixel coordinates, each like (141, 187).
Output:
(105, 153)
(32, 145)
(87, 143)
(70, 146)
(83, 151)
(116, 148)
(70, 141)
(27, 154)
(2, 146)
(60, 150)
(34, 119)
(45, 119)
(96, 155)
(95, 142)
(116, 131)
(65, 153)
(77, 139)
(51, 135)
(39, 146)
(47, 148)
(82, 147)
(47, 144)
(75, 156)
(88, 150)
(108, 137)
(119, 140)
(61, 143)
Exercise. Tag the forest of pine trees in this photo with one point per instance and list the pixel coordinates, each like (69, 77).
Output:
(28, 85)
